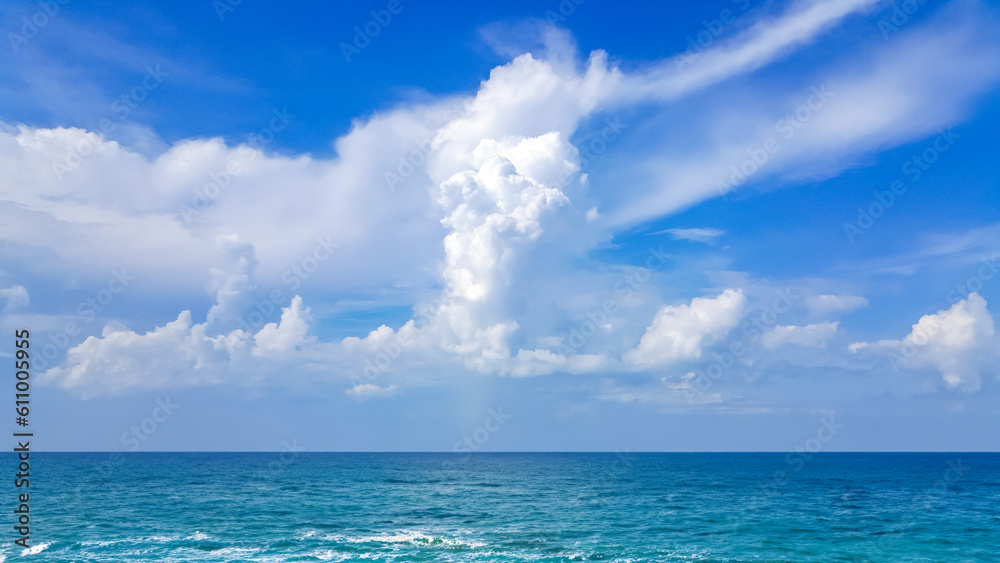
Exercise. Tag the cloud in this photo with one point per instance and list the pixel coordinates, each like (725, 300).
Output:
(275, 339)
(750, 50)
(370, 390)
(680, 332)
(467, 227)
(231, 285)
(183, 353)
(707, 236)
(808, 336)
(14, 297)
(176, 354)
(823, 304)
(818, 122)
(958, 342)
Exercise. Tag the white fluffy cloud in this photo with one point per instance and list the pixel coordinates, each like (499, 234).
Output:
(275, 339)
(176, 354)
(680, 332)
(183, 352)
(958, 342)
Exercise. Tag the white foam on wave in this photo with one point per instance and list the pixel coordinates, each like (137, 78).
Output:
(198, 536)
(155, 539)
(231, 553)
(35, 549)
(411, 537)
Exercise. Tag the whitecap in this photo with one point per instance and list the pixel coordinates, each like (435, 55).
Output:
(35, 549)
(235, 552)
(411, 537)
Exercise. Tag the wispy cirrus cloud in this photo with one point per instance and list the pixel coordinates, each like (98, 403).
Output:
(705, 235)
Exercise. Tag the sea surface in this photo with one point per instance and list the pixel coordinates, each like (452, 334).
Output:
(507, 507)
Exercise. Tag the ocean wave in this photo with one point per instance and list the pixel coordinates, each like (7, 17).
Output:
(231, 553)
(410, 537)
(140, 540)
(35, 549)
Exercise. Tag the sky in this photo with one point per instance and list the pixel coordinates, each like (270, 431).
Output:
(734, 225)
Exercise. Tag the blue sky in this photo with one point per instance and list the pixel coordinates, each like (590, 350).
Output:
(625, 227)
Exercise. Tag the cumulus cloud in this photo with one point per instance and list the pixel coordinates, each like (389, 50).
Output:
(681, 332)
(176, 354)
(232, 283)
(288, 334)
(491, 212)
(808, 336)
(958, 342)
(182, 352)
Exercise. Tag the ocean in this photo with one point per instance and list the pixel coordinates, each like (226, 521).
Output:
(535, 507)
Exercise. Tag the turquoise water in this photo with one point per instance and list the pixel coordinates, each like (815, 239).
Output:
(509, 507)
